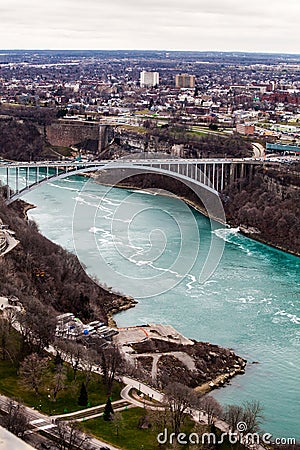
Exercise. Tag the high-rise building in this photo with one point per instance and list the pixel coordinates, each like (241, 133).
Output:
(148, 79)
(185, 81)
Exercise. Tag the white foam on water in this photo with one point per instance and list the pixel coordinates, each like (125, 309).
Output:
(190, 284)
(283, 315)
(96, 230)
(250, 300)
(141, 192)
(109, 202)
(59, 186)
(232, 236)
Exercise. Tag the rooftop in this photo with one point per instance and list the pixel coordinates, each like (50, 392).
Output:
(9, 441)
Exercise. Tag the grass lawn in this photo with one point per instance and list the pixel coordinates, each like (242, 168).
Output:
(133, 438)
(197, 133)
(134, 128)
(67, 400)
(130, 436)
(142, 112)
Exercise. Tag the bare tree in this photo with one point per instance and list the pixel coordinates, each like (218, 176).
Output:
(211, 407)
(251, 413)
(3, 338)
(75, 353)
(37, 326)
(110, 361)
(233, 415)
(179, 399)
(253, 416)
(32, 371)
(59, 381)
(10, 314)
(88, 361)
(160, 418)
(70, 437)
(118, 422)
(8, 347)
(16, 420)
(25, 332)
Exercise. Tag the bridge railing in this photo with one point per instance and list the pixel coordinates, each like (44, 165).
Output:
(211, 173)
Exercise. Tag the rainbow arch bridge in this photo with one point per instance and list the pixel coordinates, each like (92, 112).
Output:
(212, 174)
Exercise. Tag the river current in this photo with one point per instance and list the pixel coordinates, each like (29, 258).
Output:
(251, 303)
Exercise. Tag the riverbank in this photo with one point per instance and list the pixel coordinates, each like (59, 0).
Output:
(248, 231)
(27, 207)
(166, 355)
(163, 193)
(252, 234)
(219, 381)
(128, 303)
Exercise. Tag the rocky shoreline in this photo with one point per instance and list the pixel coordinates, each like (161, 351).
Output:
(128, 303)
(200, 365)
(220, 380)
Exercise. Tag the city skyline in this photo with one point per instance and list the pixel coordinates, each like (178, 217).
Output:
(194, 25)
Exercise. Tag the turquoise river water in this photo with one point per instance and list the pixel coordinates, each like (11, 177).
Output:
(137, 244)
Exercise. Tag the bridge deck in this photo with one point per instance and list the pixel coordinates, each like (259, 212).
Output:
(213, 174)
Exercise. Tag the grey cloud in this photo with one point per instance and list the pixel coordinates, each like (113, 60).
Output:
(192, 24)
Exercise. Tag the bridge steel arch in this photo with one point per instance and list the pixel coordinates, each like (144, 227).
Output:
(187, 171)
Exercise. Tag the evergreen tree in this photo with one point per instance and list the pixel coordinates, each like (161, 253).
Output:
(108, 410)
(83, 396)
(58, 361)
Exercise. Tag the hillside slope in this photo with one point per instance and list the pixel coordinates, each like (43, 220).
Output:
(65, 286)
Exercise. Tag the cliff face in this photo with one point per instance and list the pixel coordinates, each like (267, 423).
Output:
(142, 141)
(282, 180)
(268, 207)
(21, 140)
(181, 142)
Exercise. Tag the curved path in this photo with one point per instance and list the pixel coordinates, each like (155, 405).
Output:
(258, 150)
(182, 356)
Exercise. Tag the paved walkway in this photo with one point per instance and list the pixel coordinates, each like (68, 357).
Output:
(41, 422)
(186, 359)
(93, 412)
(11, 243)
(142, 387)
(258, 150)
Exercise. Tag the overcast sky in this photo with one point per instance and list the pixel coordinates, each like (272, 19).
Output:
(252, 25)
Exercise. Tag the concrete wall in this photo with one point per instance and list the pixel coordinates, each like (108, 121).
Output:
(67, 133)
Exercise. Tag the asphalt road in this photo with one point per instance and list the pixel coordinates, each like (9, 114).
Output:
(40, 422)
